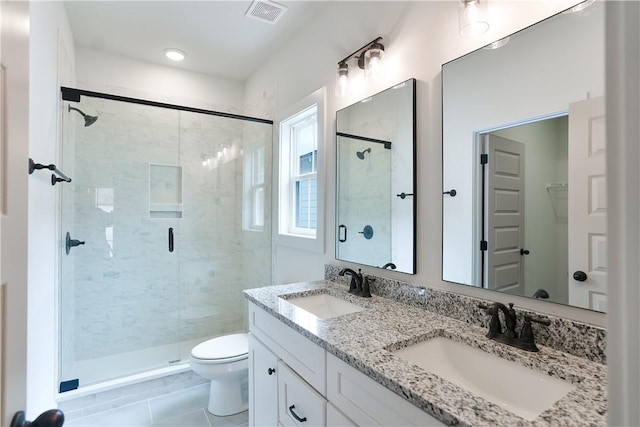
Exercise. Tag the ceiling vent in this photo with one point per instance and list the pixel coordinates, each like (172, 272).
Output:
(266, 11)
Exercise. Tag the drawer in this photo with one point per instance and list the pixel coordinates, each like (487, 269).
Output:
(298, 403)
(368, 403)
(303, 356)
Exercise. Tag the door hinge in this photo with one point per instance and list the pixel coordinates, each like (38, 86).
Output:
(483, 245)
(484, 159)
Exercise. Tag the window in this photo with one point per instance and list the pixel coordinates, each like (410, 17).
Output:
(301, 132)
(301, 152)
(253, 212)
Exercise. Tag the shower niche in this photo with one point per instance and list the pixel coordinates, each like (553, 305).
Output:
(165, 191)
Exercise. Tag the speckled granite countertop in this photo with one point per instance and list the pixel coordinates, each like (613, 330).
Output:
(365, 340)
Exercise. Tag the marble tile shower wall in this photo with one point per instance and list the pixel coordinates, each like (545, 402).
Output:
(577, 338)
(130, 292)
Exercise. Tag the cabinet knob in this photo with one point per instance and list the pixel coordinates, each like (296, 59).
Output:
(271, 371)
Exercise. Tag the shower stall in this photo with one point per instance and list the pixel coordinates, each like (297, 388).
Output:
(165, 221)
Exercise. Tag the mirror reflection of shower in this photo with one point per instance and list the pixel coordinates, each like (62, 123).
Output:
(360, 154)
(88, 120)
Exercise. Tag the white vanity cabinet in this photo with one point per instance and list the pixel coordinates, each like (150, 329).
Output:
(263, 370)
(311, 387)
(368, 403)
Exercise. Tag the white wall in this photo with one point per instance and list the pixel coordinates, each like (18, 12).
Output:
(119, 75)
(419, 37)
(51, 65)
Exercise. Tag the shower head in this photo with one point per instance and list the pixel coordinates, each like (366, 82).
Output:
(360, 154)
(88, 120)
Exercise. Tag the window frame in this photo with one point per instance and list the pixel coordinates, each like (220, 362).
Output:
(284, 221)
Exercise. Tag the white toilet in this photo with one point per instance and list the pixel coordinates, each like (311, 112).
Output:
(224, 361)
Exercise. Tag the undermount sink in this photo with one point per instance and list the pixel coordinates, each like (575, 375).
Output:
(324, 306)
(523, 391)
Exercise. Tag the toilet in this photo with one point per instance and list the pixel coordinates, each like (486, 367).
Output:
(224, 361)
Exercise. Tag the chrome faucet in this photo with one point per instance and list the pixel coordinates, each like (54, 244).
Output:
(510, 337)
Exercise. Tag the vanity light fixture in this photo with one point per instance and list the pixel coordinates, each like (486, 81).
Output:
(472, 17)
(174, 54)
(369, 58)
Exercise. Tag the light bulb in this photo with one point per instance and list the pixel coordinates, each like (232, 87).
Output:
(342, 81)
(471, 18)
(373, 62)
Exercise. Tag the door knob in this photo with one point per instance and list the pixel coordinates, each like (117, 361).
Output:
(50, 418)
(580, 276)
(271, 371)
(524, 252)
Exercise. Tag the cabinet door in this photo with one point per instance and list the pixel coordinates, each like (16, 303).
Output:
(298, 403)
(368, 403)
(263, 384)
(335, 418)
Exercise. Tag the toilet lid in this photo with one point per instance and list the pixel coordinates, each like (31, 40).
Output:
(223, 347)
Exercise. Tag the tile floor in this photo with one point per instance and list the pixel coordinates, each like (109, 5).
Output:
(185, 408)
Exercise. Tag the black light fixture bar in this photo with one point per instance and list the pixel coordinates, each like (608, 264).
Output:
(360, 50)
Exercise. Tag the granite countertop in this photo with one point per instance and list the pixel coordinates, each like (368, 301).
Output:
(365, 341)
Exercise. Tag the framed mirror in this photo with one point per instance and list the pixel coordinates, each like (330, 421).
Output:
(375, 203)
(524, 149)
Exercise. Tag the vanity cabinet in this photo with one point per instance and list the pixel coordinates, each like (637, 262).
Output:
(263, 380)
(309, 383)
(368, 403)
(298, 403)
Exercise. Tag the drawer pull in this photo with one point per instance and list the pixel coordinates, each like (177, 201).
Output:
(291, 408)
(271, 371)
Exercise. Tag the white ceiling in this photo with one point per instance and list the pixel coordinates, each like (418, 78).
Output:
(216, 35)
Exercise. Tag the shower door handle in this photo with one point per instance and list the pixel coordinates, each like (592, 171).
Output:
(170, 239)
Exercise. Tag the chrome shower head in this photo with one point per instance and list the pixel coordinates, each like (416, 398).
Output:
(360, 154)
(88, 120)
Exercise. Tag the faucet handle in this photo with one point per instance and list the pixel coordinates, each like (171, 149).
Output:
(527, 339)
(365, 292)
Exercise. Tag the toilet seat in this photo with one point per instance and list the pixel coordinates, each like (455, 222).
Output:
(224, 349)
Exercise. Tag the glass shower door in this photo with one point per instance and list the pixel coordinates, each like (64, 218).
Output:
(120, 297)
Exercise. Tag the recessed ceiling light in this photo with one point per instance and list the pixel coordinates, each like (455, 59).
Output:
(174, 54)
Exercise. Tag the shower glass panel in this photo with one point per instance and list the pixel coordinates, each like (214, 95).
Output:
(173, 208)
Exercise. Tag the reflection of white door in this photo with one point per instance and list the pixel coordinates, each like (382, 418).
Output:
(587, 204)
(14, 146)
(504, 215)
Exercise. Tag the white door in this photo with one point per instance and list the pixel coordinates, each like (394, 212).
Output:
(14, 145)
(504, 215)
(587, 205)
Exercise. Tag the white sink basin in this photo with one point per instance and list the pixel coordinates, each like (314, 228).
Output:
(523, 391)
(325, 306)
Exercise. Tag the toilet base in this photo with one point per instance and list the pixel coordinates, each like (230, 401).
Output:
(227, 398)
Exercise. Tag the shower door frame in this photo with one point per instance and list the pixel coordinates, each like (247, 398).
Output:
(75, 95)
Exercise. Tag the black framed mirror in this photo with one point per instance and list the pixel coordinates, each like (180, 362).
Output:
(524, 147)
(375, 194)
